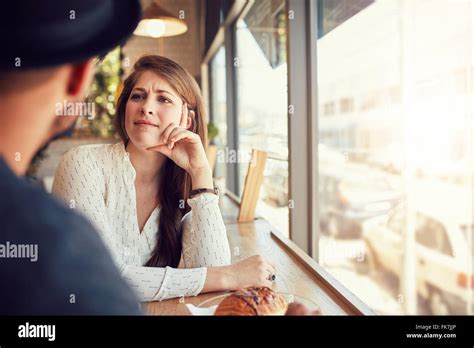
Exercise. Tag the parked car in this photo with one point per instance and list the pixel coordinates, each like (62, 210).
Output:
(444, 255)
(347, 200)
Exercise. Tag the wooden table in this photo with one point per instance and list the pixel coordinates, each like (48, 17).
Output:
(296, 273)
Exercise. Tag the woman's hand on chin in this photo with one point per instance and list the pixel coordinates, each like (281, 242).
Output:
(183, 147)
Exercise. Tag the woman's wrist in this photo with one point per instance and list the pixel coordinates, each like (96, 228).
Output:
(202, 178)
(219, 279)
(228, 277)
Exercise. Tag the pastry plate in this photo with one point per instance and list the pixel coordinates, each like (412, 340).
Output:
(290, 298)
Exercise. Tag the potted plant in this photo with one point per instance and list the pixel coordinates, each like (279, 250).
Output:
(211, 152)
(212, 132)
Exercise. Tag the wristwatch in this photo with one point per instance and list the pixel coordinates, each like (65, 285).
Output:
(204, 190)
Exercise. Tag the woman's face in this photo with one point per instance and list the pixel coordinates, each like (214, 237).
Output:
(153, 104)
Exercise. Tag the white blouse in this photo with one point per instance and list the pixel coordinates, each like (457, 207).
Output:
(99, 181)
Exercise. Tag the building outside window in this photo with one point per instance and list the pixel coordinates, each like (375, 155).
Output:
(396, 152)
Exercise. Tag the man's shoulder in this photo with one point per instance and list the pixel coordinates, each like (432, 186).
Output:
(71, 257)
(27, 199)
(31, 213)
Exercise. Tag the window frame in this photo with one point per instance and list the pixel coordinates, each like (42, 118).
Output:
(302, 146)
(226, 37)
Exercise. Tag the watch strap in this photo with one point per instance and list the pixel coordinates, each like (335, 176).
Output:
(204, 190)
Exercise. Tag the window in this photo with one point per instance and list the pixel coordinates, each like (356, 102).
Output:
(218, 110)
(329, 109)
(397, 222)
(431, 234)
(468, 232)
(335, 12)
(398, 148)
(262, 103)
(347, 105)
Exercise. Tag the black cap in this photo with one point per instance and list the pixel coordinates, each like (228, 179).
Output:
(37, 33)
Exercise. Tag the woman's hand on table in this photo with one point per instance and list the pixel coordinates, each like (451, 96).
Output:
(252, 271)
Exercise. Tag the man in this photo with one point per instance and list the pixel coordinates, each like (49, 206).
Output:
(52, 261)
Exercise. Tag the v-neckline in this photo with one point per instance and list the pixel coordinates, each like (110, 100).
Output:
(132, 173)
(143, 230)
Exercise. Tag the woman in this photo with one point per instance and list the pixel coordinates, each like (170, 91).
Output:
(151, 195)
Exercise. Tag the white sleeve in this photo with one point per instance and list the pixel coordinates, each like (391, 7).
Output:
(205, 242)
(79, 183)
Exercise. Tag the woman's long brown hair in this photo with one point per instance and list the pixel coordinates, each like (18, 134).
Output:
(175, 183)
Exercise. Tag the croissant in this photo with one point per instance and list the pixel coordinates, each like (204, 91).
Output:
(253, 301)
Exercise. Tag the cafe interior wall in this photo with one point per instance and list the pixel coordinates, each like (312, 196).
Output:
(186, 49)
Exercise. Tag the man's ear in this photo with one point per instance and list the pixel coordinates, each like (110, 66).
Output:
(80, 79)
